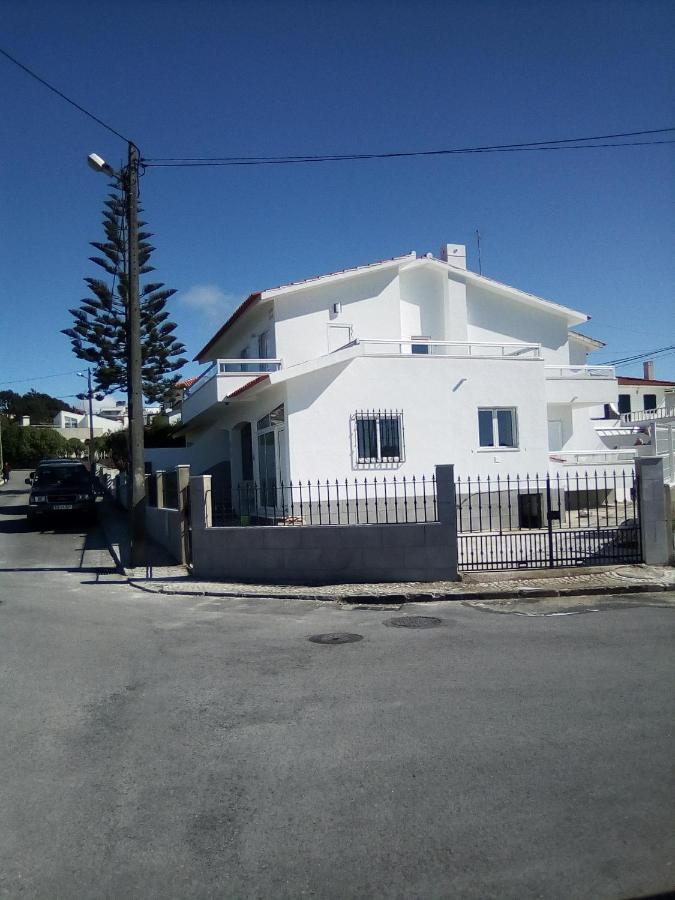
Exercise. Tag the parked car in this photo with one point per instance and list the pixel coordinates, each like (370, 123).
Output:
(61, 486)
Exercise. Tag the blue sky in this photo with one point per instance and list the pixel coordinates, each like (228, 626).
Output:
(589, 229)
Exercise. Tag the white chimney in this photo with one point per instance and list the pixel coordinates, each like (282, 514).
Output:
(455, 254)
(648, 369)
(25, 421)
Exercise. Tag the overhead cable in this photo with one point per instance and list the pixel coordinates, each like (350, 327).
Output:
(578, 143)
(64, 97)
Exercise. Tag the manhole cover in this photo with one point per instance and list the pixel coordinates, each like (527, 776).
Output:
(413, 622)
(335, 637)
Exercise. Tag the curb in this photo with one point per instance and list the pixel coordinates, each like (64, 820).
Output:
(639, 587)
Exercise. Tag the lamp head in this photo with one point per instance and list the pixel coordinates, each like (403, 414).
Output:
(98, 164)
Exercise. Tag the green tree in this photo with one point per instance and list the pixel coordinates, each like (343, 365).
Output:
(100, 334)
(26, 446)
(41, 408)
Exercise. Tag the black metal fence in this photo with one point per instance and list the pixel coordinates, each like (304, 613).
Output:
(358, 501)
(559, 520)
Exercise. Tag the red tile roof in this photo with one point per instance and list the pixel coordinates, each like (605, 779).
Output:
(644, 382)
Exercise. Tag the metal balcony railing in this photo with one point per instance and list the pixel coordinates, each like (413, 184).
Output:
(457, 349)
(233, 367)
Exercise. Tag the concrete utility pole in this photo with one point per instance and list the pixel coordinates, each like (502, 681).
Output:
(128, 180)
(90, 397)
(134, 369)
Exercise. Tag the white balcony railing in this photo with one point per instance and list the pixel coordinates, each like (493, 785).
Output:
(592, 457)
(458, 349)
(235, 367)
(583, 372)
(644, 415)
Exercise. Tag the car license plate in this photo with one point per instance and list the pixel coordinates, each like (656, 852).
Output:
(63, 506)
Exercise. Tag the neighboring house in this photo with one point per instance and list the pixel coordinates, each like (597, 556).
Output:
(389, 368)
(76, 425)
(643, 418)
(119, 413)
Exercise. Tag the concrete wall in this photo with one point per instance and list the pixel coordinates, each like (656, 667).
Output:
(325, 554)
(439, 419)
(164, 527)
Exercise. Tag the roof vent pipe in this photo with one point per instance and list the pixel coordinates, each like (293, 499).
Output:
(648, 369)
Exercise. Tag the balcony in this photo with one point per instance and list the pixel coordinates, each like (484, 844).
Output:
(580, 385)
(454, 349)
(220, 379)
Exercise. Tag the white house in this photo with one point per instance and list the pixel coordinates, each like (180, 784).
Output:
(76, 425)
(390, 368)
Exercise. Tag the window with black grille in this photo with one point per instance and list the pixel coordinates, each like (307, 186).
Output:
(379, 437)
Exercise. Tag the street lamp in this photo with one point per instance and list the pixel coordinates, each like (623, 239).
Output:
(128, 178)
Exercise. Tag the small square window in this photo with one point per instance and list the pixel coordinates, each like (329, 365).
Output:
(497, 427)
(379, 437)
(650, 402)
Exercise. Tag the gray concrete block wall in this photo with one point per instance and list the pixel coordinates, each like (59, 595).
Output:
(164, 527)
(324, 554)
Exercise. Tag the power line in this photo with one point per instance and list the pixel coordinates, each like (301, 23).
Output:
(638, 356)
(38, 377)
(577, 143)
(63, 96)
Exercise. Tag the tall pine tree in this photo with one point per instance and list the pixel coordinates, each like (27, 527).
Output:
(100, 331)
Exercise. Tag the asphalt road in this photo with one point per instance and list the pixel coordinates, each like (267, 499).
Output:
(175, 747)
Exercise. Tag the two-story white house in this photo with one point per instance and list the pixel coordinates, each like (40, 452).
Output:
(390, 368)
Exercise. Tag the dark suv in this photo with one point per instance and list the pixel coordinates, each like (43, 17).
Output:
(61, 486)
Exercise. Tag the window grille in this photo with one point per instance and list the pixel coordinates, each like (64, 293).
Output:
(379, 437)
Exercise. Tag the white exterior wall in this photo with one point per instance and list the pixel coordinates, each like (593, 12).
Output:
(495, 318)
(440, 421)
(370, 304)
(244, 335)
(422, 304)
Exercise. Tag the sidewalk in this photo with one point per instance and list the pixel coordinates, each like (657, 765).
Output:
(161, 576)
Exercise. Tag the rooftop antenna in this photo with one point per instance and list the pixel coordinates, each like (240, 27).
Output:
(480, 267)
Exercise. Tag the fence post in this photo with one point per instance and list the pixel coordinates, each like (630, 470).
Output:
(445, 494)
(182, 487)
(159, 482)
(656, 529)
(200, 502)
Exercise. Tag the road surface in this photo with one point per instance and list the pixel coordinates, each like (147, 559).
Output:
(176, 747)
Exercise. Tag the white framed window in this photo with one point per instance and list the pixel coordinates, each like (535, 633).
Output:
(379, 437)
(498, 427)
(70, 423)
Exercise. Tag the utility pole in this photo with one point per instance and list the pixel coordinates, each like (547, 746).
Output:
(128, 181)
(134, 369)
(90, 397)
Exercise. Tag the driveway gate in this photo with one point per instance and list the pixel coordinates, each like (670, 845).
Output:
(556, 520)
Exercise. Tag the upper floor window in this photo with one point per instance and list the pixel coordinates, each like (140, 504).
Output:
(379, 437)
(498, 427)
(650, 402)
(70, 423)
(264, 345)
(420, 348)
(624, 403)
